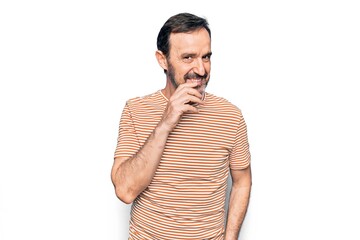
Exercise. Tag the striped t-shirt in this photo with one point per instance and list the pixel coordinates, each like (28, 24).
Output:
(186, 197)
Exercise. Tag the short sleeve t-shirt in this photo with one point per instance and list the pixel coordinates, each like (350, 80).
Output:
(186, 198)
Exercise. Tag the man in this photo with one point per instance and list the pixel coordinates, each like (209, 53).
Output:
(177, 146)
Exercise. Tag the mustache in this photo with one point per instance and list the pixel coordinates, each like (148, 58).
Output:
(195, 76)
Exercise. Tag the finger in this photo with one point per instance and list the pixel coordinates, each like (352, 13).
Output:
(190, 99)
(194, 92)
(186, 90)
(188, 84)
(188, 108)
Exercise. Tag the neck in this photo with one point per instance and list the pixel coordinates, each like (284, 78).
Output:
(169, 89)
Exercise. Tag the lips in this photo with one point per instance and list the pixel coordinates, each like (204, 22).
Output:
(198, 81)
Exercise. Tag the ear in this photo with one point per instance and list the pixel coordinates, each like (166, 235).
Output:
(161, 58)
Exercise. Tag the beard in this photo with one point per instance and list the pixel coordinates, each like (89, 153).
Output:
(171, 75)
(190, 75)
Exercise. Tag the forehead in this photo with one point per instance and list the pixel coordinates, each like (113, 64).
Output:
(191, 42)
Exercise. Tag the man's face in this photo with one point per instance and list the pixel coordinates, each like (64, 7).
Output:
(189, 59)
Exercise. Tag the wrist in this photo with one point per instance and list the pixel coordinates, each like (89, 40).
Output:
(163, 129)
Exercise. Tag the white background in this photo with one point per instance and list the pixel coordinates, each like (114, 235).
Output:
(67, 68)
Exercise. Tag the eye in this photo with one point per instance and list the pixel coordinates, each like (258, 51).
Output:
(188, 59)
(206, 58)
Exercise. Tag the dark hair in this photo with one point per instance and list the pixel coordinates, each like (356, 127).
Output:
(179, 23)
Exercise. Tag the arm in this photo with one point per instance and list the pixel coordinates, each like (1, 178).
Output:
(239, 201)
(131, 176)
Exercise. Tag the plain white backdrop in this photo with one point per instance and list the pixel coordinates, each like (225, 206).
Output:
(67, 68)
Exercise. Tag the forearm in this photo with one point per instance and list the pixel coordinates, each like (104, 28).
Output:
(238, 202)
(133, 175)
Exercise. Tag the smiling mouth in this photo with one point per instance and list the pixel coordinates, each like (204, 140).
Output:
(199, 81)
(194, 77)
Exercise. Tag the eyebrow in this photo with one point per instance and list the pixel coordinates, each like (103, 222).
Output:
(208, 54)
(188, 55)
(194, 55)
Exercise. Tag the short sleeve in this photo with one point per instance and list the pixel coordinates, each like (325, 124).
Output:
(240, 153)
(127, 141)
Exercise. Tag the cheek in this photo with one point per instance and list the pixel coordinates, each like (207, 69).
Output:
(183, 71)
(208, 67)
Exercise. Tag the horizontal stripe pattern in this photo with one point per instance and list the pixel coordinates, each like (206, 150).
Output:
(186, 197)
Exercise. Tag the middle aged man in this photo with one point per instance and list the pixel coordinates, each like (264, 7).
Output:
(177, 146)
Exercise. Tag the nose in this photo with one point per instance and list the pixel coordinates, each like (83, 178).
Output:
(199, 67)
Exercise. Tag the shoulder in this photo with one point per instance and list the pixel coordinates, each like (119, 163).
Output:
(222, 104)
(154, 98)
(153, 103)
(140, 99)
